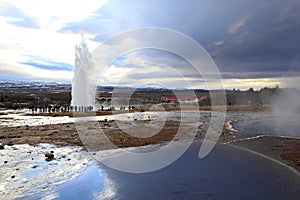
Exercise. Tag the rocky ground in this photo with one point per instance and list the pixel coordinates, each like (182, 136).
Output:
(101, 135)
(286, 150)
(67, 134)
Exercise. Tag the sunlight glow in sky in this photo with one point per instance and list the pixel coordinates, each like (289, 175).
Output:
(254, 43)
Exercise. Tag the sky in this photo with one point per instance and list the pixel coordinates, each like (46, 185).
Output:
(253, 43)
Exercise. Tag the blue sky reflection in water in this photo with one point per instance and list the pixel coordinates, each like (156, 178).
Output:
(189, 177)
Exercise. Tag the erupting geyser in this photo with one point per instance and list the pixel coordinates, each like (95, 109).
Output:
(82, 89)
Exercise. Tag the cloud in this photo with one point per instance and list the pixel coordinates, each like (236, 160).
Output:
(148, 76)
(247, 39)
(31, 72)
(50, 65)
(264, 47)
(45, 63)
(219, 43)
(155, 67)
(254, 83)
(234, 28)
(52, 14)
(15, 16)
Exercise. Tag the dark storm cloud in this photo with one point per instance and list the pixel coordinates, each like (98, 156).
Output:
(247, 39)
(268, 45)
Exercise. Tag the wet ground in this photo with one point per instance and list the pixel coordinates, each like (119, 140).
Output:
(227, 173)
(256, 158)
(26, 170)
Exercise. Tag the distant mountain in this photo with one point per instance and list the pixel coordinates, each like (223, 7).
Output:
(5, 83)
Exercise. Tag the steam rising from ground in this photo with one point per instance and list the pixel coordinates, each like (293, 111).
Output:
(287, 102)
(286, 108)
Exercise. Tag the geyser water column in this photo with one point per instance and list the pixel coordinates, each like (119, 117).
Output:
(82, 88)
